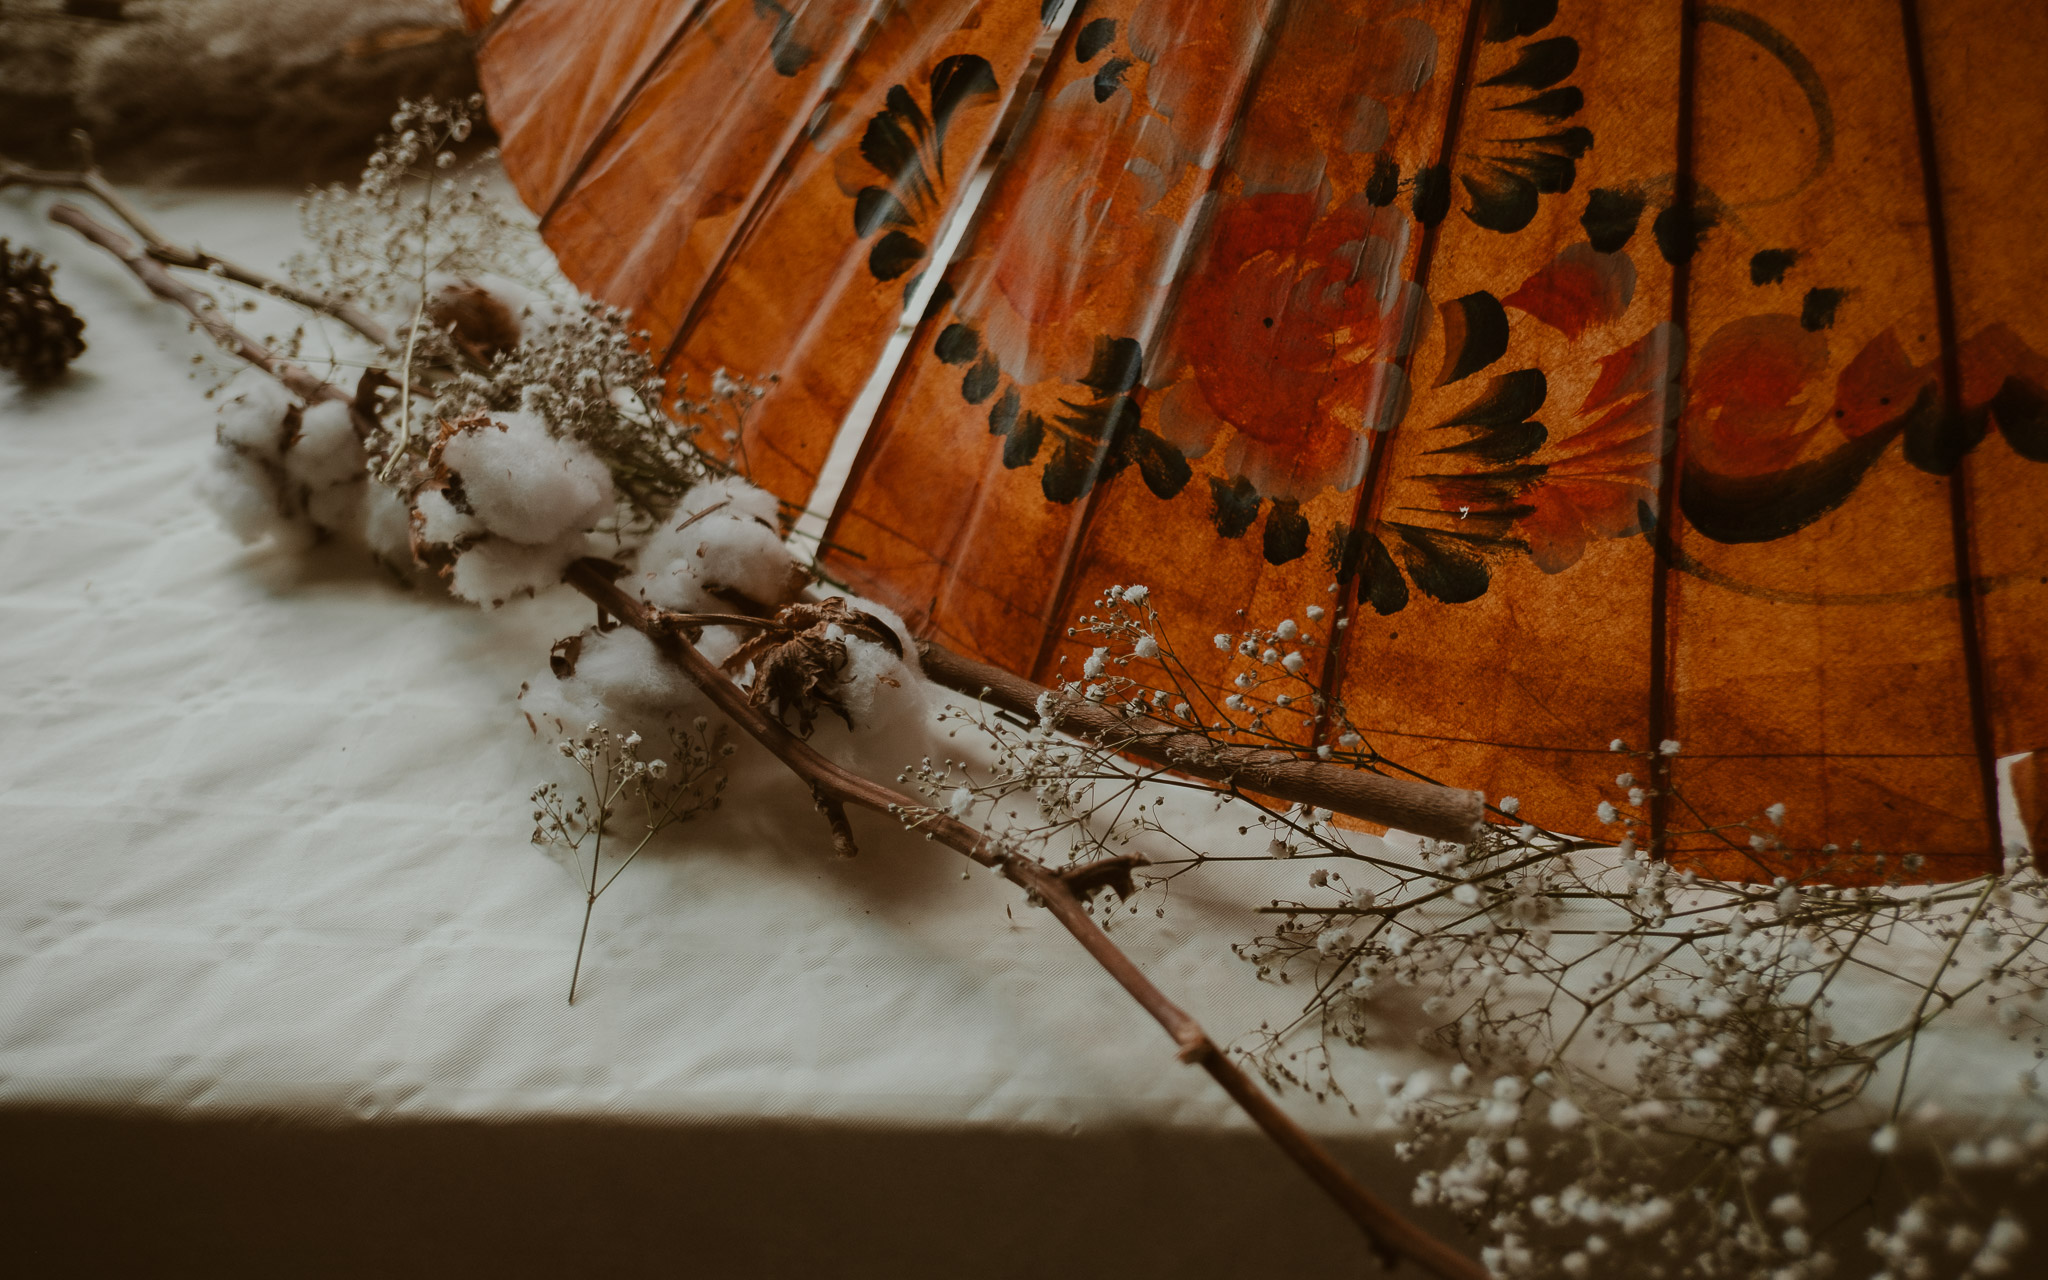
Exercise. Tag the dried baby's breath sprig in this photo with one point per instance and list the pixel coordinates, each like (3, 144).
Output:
(587, 375)
(414, 214)
(1643, 1055)
(654, 795)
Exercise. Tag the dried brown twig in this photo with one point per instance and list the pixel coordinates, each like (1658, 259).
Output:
(1440, 813)
(89, 180)
(1391, 1235)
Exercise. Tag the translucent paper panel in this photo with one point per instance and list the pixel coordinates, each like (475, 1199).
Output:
(1603, 377)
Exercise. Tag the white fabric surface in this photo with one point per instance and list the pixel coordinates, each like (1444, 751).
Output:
(271, 934)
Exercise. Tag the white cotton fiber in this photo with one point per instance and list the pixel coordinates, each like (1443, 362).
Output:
(497, 569)
(327, 451)
(253, 419)
(242, 493)
(387, 526)
(440, 522)
(525, 484)
(729, 496)
(888, 698)
(338, 508)
(623, 670)
(688, 564)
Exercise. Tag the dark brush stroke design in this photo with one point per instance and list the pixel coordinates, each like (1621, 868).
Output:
(1502, 429)
(1475, 335)
(786, 53)
(1440, 565)
(1762, 508)
(1540, 64)
(908, 148)
(1779, 46)
(1430, 198)
(1611, 218)
(1817, 311)
(1385, 182)
(980, 381)
(1512, 19)
(957, 343)
(1100, 437)
(1093, 39)
(1111, 78)
(1768, 266)
(1552, 104)
(1383, 587)
(1236, 505)
(1939, 438)
(2021, 411)
(1506, 189)
(1286, 532)
(1680, 230)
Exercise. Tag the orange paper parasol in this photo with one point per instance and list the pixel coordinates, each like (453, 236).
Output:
(1656, 370)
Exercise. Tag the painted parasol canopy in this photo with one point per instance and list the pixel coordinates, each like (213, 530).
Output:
(1645, 370)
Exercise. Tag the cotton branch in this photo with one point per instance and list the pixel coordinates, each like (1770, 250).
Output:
(1392, 1236)
(1441, 813)
(296, 378)
(90, 181)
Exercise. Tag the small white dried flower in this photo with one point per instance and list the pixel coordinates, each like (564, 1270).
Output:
(1222, 641)
(1286, 630)
(1147, 647)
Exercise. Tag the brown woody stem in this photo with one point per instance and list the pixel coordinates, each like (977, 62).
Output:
(90, 181)
(1391, 1236)
(1441, 813)
(297, 378)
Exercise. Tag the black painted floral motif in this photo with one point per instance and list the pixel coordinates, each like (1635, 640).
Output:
(906, 144)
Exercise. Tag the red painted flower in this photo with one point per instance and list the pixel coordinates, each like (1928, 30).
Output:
(1290, 328)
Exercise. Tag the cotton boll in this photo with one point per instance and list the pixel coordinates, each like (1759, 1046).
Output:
(525, 484)
(729, 496)
(688, 563)
(254, 419)
(327, 450)
(890, 704)
(862, 604)
(439, 521)
(497, 569)
(244, 494)
(338, 508)
(387, 525)
(622, 670)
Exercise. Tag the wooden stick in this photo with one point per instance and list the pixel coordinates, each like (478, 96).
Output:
(1441, 813)
(1391, 1236)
